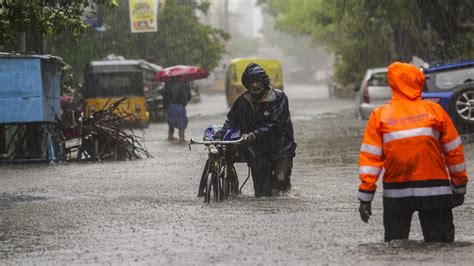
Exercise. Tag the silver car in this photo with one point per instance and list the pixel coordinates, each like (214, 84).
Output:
(373, 92)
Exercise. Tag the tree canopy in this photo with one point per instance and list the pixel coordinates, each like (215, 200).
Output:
(39, 18)
(181, 38)
(372, 33)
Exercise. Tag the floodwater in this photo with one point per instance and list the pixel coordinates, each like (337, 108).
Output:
(147, 212)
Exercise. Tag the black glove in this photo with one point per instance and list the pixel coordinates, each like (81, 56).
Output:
(365, 210)
(458, 199)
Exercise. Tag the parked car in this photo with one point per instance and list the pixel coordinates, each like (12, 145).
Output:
(373, 92)
(452, 86)
(154, 101)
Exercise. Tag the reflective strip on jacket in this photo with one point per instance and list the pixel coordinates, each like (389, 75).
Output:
(414, 142)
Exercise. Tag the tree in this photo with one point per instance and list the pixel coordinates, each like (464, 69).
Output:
(39, 18)
(181, 39)
(372, 33)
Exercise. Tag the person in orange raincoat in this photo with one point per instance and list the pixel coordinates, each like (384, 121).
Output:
(417, 145)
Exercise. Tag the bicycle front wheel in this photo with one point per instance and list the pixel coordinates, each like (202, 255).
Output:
(217, 185)
(202, 183)
(224, 181)
(207, 195)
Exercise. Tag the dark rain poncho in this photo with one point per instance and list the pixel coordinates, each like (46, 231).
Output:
(270, 121)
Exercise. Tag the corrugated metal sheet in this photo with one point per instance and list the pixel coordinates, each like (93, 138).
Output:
(29, 89)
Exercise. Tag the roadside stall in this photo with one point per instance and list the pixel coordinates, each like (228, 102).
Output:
(29, 107)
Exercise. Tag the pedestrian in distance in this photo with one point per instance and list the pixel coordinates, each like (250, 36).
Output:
(176, 95)
(419, 148)
(262, 115)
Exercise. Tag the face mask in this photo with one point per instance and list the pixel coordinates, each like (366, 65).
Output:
(258, 96)
(256, 92)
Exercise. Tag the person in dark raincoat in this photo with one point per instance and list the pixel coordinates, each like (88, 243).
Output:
(176, 96)
(263, 118)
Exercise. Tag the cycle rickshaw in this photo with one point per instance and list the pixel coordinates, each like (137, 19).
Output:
(219, 176)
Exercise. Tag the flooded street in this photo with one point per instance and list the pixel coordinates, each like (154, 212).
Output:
(147, 212)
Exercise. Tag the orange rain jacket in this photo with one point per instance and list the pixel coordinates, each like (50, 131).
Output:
(415, 142)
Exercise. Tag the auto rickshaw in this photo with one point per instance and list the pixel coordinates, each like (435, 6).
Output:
(234, 87)
(108, 81)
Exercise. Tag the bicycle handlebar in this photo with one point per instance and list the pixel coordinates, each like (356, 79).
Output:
(215, 142)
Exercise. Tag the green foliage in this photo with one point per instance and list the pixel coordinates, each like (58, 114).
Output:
(372, 33)
(69, 81)
(43, 18)
(181, 39)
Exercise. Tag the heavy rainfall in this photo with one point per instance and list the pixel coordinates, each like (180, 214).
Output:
(123, 138)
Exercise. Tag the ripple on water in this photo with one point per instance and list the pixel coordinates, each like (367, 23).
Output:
(7, 199)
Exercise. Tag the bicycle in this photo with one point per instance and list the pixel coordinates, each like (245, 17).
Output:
(219, 174)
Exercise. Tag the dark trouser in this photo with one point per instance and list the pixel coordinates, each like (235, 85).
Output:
(262, 178)
(436, 224)
(267, 175)
(282, 173)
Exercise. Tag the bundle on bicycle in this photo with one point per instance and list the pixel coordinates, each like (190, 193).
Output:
(219, 178)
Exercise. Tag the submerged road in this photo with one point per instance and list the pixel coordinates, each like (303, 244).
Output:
(147, 212)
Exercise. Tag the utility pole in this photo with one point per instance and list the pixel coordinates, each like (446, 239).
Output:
(226, 15)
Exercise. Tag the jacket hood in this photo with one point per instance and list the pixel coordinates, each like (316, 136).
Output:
(405, 80)
(254, 72)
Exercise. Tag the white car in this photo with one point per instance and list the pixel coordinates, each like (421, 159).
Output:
(373, 92)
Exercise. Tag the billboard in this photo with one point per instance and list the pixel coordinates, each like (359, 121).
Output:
(143, 15)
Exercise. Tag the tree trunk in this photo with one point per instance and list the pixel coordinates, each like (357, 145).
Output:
(34, 42)
(20, 44)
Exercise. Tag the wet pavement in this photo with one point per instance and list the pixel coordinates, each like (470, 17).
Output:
(147, 212)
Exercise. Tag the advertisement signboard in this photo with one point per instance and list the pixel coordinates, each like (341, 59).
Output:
(143, 15)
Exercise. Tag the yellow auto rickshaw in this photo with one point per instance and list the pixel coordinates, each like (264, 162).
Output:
(234, 87)
(108, 81)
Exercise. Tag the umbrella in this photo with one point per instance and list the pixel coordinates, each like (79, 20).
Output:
(185, 73)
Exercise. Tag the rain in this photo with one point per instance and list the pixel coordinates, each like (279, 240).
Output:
(94, 175)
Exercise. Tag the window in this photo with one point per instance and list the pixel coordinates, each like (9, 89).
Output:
(448, 79)
(115, 84)
(379, 79)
